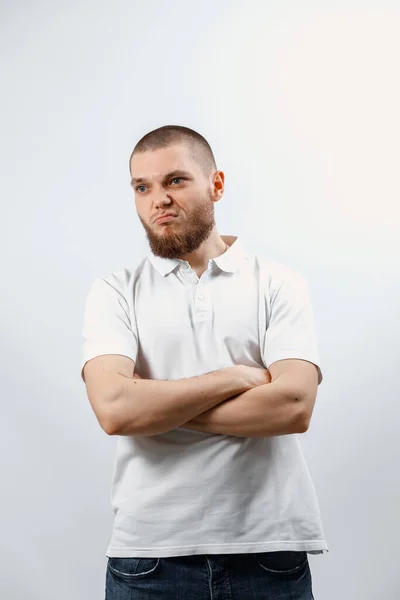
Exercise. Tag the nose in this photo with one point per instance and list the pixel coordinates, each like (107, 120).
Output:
(162, 201)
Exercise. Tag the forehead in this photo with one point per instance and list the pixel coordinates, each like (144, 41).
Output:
(155, 164)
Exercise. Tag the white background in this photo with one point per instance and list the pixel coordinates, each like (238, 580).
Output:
(300, 103)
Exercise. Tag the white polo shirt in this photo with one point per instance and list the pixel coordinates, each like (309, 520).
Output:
(188, 492)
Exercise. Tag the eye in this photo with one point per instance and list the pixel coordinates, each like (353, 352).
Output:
(174, 179)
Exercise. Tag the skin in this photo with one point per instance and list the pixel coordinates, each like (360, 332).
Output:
(193, 235)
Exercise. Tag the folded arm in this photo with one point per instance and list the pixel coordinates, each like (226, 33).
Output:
(266, 410)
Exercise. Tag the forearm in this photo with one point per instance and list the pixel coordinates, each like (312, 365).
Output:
(149, 407)
(263, 411)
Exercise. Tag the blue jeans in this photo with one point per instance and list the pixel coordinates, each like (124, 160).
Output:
(280, 575)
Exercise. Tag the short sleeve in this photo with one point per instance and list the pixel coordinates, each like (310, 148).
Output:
(107, 326)
(290, 329)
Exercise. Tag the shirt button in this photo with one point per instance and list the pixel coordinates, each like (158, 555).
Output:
(201, 297)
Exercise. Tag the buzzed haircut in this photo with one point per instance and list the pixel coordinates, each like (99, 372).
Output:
(162, 137)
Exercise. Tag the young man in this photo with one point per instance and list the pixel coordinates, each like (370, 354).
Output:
(203, 359)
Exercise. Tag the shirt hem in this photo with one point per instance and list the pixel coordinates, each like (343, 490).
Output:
(311, 547)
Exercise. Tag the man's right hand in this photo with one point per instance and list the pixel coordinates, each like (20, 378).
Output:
(253, 376)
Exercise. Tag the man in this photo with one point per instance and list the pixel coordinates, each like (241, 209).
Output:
(203, 360)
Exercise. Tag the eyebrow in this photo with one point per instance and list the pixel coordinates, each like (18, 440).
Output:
(167, 176)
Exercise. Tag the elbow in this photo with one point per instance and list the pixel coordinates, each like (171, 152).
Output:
(108, 426)
(108, 422)
(115, 420)
(301, 415)
(110, 430)
(113, 426)
(303, 423)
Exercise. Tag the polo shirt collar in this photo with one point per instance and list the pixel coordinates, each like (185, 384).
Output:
(228, 261)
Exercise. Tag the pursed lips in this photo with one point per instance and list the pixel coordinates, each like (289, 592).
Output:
(167, 216)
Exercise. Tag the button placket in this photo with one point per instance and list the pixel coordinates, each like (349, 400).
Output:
(202, 301)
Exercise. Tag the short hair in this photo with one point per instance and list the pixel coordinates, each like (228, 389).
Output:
(162, 137)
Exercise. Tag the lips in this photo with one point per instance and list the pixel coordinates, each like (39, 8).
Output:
(163, 218)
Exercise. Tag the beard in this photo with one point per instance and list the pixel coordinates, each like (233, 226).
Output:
(183, 235)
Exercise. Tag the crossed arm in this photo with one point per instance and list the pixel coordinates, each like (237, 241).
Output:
(281, 407)
(263, 411)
